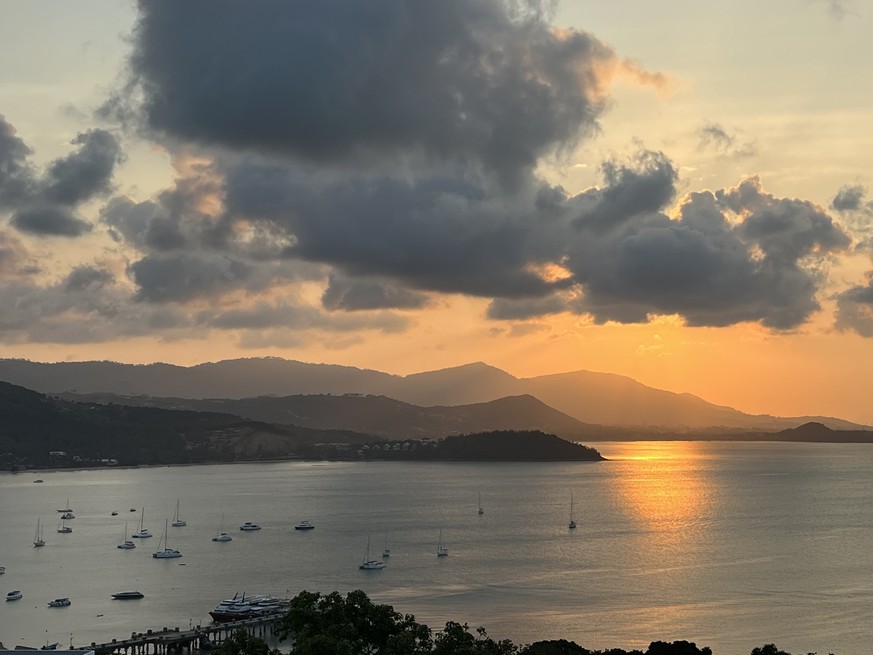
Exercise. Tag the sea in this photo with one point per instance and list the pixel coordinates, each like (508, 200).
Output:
(730, 545)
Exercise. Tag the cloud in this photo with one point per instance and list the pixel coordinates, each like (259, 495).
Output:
(336, 81)
(85, 173)
(855, 309)
(179, 278)
(367, 294)
(716, 138)
(850, 198)
(44, 204)
(50, 221)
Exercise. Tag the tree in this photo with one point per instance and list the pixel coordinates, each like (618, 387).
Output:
(455, 639)
(351, 625)
(243, 643)
(677, 648)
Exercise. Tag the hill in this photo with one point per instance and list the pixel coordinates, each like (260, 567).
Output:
(593, 398)
(376, 415)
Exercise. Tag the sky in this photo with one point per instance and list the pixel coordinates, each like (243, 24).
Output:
(674, 191)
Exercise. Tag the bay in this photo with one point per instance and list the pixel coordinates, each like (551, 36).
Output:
(730, 545)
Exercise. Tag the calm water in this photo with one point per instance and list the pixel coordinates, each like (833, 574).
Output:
(729, 545)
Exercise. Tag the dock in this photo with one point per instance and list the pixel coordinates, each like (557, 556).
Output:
(175, 640)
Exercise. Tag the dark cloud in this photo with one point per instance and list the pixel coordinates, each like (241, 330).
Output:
(338, 80)
(367, 294)
(855, 309)
(849, 198)
(50, 221)
(16, 177)
(505, 309)
(180, 278)
(85, 173)
(713, 136)
(84, 278)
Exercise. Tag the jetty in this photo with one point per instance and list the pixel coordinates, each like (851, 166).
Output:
(195, 639)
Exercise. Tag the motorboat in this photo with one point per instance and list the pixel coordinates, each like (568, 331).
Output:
(127, 595)
(2, 570)
(114, 513)
(222, 536)
(13, 595)
(37, 481)
(167, 552)
(246, 606)
(248, 526)
(304, 525)
(371, 564)
(59, 602)
(143, 531)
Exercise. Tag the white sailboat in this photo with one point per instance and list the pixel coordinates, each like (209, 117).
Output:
(370, 564)
(442, 551)
(167, 552)
(177, 521)
(38, 539)
(221, 535)
(481, 511)
(143, 532)
(572, 525)
(126, 544)
(66, 508)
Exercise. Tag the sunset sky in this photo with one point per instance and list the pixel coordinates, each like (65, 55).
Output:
(674, 191)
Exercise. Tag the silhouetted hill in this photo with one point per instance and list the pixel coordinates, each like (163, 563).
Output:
(814, 431)
(378, 415)
(39, 431)
(593, 398)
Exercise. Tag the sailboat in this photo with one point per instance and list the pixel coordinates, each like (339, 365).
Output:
(481, 511)
(442, 551)
(178, 522)
(66, 508)
(572, 525)
(221, 535)
(38, 539)
(370, 564)
(143, 533)
(126, 544)
(167, 552)
(63, 528)
(386, 552)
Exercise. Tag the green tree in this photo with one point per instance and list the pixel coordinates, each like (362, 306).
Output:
(351, 625)
(456, 639)
(243, 643)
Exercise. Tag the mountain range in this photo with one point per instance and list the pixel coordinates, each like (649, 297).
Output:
(599, 399)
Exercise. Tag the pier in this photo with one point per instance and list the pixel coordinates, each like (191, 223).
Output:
(174, 640)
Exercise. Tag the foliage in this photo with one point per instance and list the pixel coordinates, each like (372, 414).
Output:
(456, 639)
(351, 625)
(243, 643)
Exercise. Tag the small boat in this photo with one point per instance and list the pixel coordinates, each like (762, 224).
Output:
(132, 509)
(572, 524)
(481, 511)
(68, 516)
(114, 513)
(63, 528)
(38, 539)
(143, 532)
(66, 507)
(442, 551)
(127, 595)
(386, 552)
(178, 522)
(37, 481)
(248, 526)
(222, 536)
(126, 544)
(13, 595)
(304, 525)
(371, 564)
(59, 602)
(49, 646)
(2, 570)
(167, 552)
